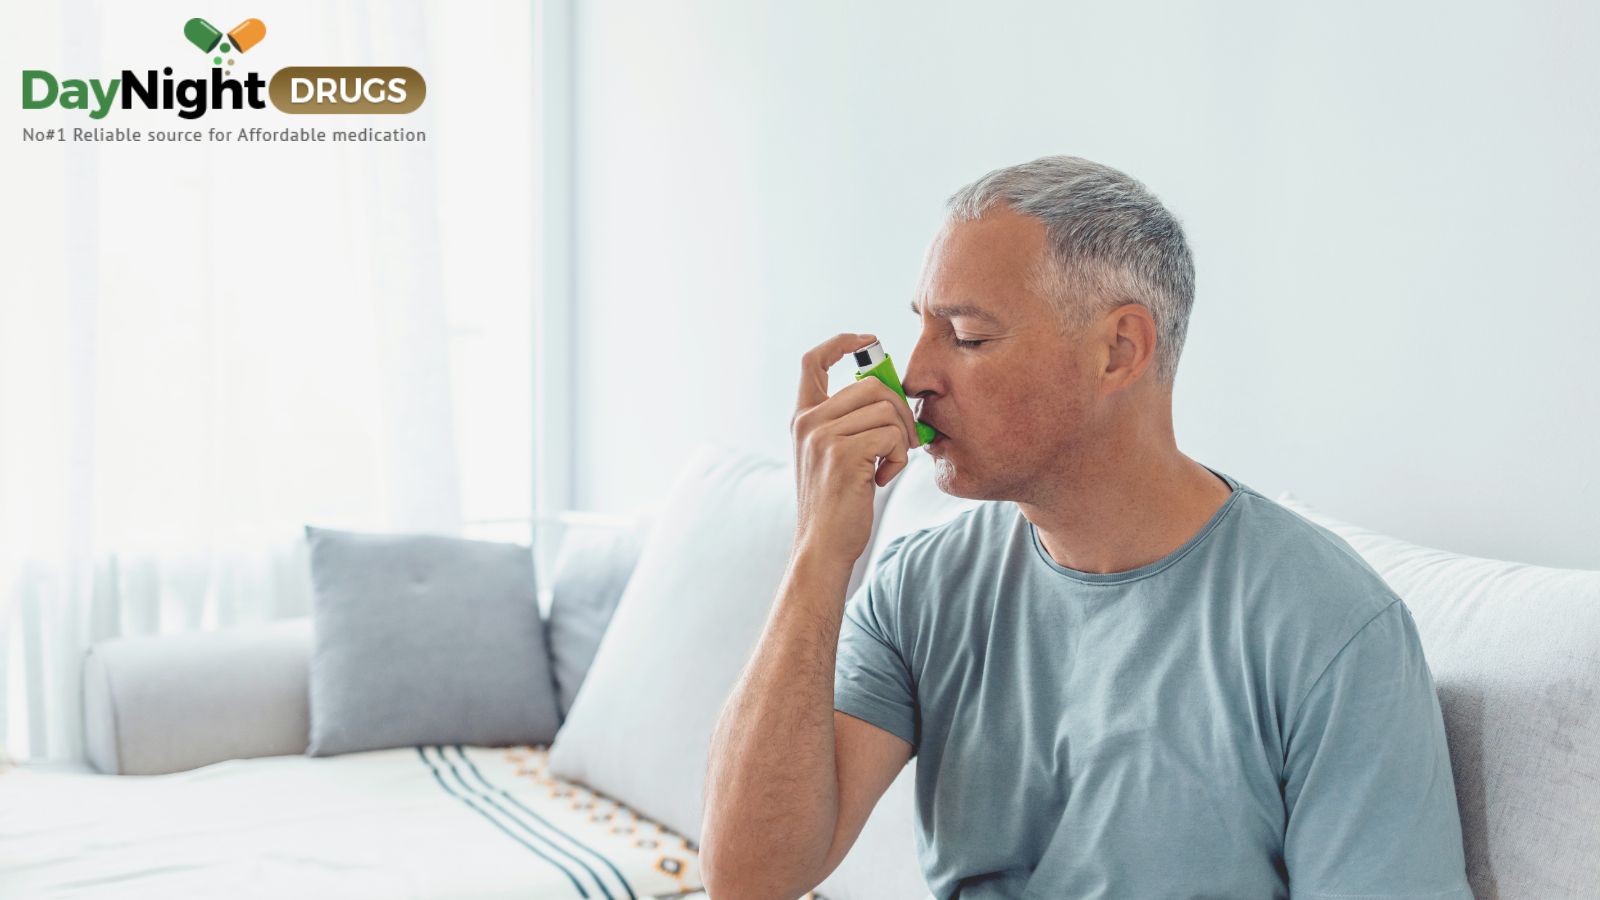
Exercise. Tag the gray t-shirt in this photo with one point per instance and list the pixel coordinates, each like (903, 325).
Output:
(1248, 715)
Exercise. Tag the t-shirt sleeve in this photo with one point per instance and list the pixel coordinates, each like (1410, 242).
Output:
(872, 679)
(1368, 788)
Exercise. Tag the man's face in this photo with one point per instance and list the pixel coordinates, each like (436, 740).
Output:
(1015, 406)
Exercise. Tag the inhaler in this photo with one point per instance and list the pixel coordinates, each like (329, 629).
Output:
(872, 362)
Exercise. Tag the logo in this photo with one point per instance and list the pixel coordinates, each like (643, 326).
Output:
(205, 35)
(299, 90)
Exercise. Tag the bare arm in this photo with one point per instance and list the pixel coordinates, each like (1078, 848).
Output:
(790, 782)
(868, 759)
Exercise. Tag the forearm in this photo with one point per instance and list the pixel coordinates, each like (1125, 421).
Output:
(772, 791)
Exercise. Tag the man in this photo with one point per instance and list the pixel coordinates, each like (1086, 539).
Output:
(1127, 675)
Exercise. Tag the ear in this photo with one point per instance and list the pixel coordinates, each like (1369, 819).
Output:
(1129, 332)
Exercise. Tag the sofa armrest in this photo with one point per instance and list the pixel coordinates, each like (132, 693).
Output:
(169, 703)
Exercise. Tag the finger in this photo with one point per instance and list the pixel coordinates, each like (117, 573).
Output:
(814, 366)
(864, 392)
(873, 444)
(876, 414)
(889, 468)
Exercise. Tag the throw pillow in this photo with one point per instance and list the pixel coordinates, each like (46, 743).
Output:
(421, 639)
(592, 569)
(640, 729)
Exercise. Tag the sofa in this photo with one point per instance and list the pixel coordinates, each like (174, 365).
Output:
(198, 781)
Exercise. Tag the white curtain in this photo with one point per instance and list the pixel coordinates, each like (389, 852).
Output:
(204, 348)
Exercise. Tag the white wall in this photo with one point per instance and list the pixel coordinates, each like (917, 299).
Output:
(1392, 208)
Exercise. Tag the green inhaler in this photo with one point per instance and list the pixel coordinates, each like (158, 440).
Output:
(871, 361)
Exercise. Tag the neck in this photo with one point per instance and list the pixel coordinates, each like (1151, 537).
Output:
(1126, 505)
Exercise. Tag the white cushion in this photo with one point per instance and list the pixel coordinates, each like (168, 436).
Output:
(1515, 652)
(155, 704)
(640, 728)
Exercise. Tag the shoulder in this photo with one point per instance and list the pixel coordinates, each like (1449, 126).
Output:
(1299, 532)
(949, 559)
(1295, 559)
(1310, 594)
(947, 543)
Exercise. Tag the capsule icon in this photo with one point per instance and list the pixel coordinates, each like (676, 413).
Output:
(247, 34)
(202, 34)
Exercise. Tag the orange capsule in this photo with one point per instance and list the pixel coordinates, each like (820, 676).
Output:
(247, 34)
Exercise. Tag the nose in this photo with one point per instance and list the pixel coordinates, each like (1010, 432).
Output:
(918, 378)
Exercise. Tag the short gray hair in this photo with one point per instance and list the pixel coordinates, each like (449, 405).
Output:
(1111, 242)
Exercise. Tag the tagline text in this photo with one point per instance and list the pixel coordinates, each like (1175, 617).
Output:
(222, 135)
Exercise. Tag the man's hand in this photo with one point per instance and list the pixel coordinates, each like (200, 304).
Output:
(838, 442)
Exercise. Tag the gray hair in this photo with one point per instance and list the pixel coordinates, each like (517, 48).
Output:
(1111, 242)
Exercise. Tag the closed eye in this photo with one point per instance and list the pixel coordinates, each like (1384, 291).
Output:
(962, 343)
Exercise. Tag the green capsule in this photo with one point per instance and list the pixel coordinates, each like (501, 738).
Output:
(202, 34)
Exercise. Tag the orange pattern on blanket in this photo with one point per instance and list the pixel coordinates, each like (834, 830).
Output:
(530, 762)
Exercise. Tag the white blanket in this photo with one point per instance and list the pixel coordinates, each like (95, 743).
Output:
(430, 822)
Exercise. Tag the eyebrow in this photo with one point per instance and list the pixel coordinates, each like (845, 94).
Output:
(959, 309)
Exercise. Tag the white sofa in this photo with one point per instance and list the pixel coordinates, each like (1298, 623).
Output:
(1515, 651)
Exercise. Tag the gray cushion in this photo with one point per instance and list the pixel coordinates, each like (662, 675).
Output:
(591, 570)
(419, 639)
